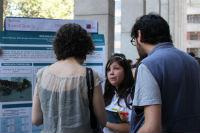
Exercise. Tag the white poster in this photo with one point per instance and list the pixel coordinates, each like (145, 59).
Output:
(41, 24)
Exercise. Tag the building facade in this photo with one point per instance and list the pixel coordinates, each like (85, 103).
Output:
(193, 27)
(115, 22)
(174, 12)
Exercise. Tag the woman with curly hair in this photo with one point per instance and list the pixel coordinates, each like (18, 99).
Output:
(60, 99)
(117, 95)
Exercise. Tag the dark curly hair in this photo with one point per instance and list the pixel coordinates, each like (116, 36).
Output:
(125, 87)
(72, 41)
(154, 29)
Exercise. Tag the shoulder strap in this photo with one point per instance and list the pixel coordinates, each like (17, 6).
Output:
(90, 85)
(90, 80)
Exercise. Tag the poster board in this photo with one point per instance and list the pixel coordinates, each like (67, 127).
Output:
(25, 52)
(48, 25)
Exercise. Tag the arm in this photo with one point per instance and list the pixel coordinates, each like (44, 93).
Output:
(37, 117)
(99, 106)
(147, 94)
(119, 128)
(152, 122)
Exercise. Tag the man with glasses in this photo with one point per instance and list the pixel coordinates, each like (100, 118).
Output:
(167, 83)
(133, 41)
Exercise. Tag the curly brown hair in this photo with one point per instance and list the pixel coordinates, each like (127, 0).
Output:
(72, 40)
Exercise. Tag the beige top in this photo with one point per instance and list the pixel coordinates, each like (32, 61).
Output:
(62, 91)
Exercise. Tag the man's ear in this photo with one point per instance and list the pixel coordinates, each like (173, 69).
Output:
(139, 37)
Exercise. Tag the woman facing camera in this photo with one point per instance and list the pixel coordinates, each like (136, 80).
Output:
(117, 95)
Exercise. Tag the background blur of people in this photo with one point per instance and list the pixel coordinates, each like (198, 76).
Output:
(132, 67)
(198, 59)
(136, 64)
(193, 55)
(130, 62)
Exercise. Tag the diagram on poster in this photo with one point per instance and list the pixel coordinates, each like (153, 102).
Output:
(15, 89)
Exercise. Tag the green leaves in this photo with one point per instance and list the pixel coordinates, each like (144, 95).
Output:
(58, 9)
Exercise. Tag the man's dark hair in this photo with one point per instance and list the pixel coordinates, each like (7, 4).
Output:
(154, 29)
(72, 41)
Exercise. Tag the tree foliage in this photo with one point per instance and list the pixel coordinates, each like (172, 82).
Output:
(59, 9)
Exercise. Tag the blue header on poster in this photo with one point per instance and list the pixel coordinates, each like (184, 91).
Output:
(26, 37)
(37, 38)
(98, 39)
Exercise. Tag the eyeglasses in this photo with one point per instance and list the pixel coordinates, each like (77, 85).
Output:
(133, 41)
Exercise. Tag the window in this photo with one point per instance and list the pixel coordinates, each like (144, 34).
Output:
(193, 35)
(195, 18)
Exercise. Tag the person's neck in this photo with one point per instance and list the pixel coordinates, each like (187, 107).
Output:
(72, 60)
(149, 48)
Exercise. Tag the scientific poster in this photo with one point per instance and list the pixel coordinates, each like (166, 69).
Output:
(25, 52)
